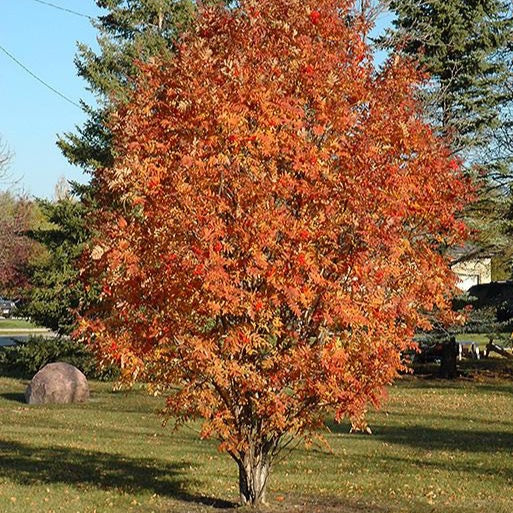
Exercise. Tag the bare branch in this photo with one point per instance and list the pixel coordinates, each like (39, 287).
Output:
(5, 158)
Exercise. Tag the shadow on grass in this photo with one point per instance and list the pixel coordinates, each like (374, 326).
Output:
(31, 465)
(28, 465)
(299, 503)
(461, 419)
(456, 465)
(501, 388)
(433, 438)
(15, 397)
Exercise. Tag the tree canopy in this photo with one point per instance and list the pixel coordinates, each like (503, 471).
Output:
(269, 234)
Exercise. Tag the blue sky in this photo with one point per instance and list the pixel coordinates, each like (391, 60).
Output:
(44, 40)
(31, 116)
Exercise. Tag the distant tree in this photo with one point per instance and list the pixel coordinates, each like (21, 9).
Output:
(268, 236)
(5, 159)
(16, 249)
(62, 189)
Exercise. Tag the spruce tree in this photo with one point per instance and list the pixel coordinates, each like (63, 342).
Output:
(130, 31)
(461, 44)
(465, 46)
(55, 291)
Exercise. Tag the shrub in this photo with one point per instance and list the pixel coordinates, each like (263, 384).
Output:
(25, 358)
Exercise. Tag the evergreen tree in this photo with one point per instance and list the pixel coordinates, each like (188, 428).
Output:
(461, 43)
(55, 290)
(129, 31)
(465, 47)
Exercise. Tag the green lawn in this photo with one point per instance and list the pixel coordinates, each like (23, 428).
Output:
(9, 324)
(437, 447)
(479, 338)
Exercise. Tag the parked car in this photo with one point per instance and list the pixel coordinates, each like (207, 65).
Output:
(7, 307)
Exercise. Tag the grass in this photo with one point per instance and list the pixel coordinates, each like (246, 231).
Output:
(437, 447)
(481, 339)
(10, 324)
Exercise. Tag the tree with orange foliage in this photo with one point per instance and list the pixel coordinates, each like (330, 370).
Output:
(270, 233)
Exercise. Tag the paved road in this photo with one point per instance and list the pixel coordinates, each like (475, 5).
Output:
(9, 340)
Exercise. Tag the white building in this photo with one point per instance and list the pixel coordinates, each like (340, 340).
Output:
(473, 272)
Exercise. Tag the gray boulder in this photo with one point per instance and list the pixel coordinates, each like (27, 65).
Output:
(58, 383)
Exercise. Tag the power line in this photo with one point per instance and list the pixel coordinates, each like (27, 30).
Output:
(46, 84)
(71, 11)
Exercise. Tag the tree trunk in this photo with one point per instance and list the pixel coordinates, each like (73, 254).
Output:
(448, 366)
(254, 468)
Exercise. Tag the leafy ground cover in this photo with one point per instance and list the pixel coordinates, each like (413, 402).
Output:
(437, 447)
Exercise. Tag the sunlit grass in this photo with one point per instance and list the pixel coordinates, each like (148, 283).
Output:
(436, 447)
(11, 324)
(478, 338)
